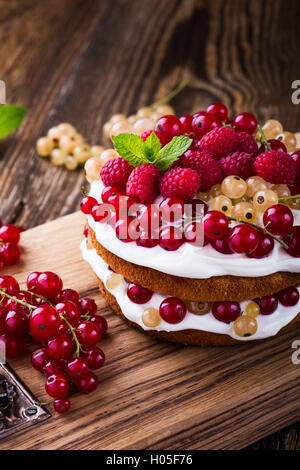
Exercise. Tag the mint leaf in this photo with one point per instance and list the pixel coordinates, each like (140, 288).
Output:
(131, 148)
(172, 151)
(152, 146)
(11, 117)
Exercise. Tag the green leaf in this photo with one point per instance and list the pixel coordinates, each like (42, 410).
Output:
(11, 117)
(172, 151)
(152, 146)
(131, 148)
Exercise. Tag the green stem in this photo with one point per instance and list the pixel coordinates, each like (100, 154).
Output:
(83, 191)
(78, 346)
(18, 301)
(266, 143)
(39, 297)
(40, 403)
(262, 229)
(289, 198)
(172, 94)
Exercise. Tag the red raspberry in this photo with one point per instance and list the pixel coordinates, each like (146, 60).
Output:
(181, 182)
(239, 164)
(220, 142)
(116, 171)
(247, 144)
(144, 182)
(276, 167)
(145, 135)
(208, 168)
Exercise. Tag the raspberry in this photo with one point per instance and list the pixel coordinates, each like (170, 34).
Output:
(144, 182)
(247, 144)
(220, 142)
(239, 164)
(276, 167)
(145, 135)
(116, 171)
(208, 168)
(181, 182)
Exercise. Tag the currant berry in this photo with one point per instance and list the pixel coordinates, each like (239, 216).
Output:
(88, 333)
(272, 128)
(221, 204)
(69, 294)
(53, 367)
(59, 347)
(245, 122)
(111, 193)
(101, 323)
(203, 123)
(226, 311)
(244, 211)
(186, 122)
(264, 248)
(255, 184)
(234, 187)
(87, 203)
(62, 405)
(16, 322)
(10, 254)
(278, 219)
(289, 296)
(264, 199)
(95, 358)
(32, 280)
(245, 326)
(171, 209)
(57, 386)
(172, 310)
(146, 241)
(88, 307)
(221, 245)
(243, 239)
(126, 230)
(10, 285)
(268, 304)
(77, 368)
(14, 346)
(88, 384)
(10, 233)
(215, 225)
(193, 233)
(48, 285)
(44, 322)
(100, 213)
(39, 359)
(252, 309)
(219, 110)
(199, 208)
(293, 241)
(168, 127)
(170, 238)
(138, 294)
(289, 140)
(69, 310)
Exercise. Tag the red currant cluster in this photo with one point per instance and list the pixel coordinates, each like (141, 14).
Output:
(9, 239)
(66, 328)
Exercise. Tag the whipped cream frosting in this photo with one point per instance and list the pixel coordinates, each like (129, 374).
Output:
(268, 325)
(189, 260)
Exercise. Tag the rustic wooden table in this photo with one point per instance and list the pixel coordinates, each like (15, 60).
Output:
(84, 60)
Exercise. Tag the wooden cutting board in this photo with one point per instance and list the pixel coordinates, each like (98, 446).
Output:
(155, 395)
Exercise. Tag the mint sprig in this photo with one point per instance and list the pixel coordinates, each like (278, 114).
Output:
(132, 148)
(11, 117)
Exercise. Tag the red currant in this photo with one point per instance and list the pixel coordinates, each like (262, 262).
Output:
(9, 253)
(264, 248)
(100, 213)
(289, 296)
(101, 323)
(215, 224)
(88, 307)
(168, 127)
(125, 230)
(170, 238)
(86, 230)
(221, 245)
(3, 313)
(88, 333)
(138, 294)
(62, 405)
(199, 208)
(226, 311)
(111, 193)
(150, 219)
(44, 322)
(268, 304)
(16, 322)
(146, 241)
(48, 285)
(69, 294)
(95, 358)
(245, 122)
(57, 386)
(276, 145)
(203, 123)
(219, 110)
(87, 203)
(53, 367)
(10, 233)
(9, 284)
(172, 310)
(293, 241)
(69, 310)
(186, 121)
(32, 280)
(77, 368)
(296, 158)
(88, 384)
(278, 219)
(171, 209)
(59, 347)
(39, 359)
(14, 346)
(243, 238)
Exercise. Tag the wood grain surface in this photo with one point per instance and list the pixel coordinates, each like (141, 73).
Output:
(83, 60)
(155, 395)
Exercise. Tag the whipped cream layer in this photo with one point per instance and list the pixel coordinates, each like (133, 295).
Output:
(268, 325)
(189, 260)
